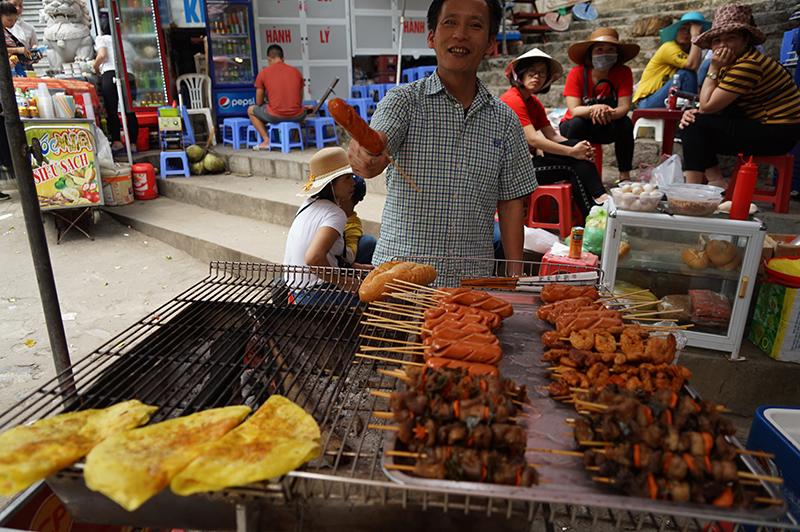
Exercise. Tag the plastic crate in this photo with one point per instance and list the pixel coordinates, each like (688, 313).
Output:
(776, 429)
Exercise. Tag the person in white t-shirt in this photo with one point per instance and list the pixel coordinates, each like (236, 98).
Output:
(316, 236)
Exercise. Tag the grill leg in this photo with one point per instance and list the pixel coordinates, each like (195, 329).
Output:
(246, 518)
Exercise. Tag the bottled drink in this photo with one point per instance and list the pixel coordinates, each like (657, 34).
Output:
(576, 243)
(672, 100)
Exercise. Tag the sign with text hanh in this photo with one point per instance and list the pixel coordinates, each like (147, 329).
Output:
(67, 175)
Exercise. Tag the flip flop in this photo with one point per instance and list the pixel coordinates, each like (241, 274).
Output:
(260, 148)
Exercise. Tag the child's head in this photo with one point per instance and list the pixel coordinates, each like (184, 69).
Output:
(359, 190)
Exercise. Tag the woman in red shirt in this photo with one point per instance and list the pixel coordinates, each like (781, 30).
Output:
(599, 92)
(554, 157)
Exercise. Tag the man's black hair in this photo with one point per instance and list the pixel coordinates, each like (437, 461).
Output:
(105, 26)
(495, 15)
(275, 51)
(7, 8)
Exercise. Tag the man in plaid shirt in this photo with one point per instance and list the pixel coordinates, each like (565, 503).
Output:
(463, 147)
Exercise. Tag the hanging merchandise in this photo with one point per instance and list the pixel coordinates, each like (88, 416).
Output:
(558, 20)
(584, 11)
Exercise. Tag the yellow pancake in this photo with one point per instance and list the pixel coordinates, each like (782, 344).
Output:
(131, 467)
(30, 453)
(278, 438)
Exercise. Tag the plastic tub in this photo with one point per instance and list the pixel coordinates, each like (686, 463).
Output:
(693, 200)
(630, 201)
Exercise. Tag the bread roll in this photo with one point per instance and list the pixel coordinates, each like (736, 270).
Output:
(374, 286)
(695, 259)
(720, 252)
(732, 265)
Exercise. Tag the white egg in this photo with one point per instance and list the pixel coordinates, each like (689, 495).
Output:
(637, 189)
(636, 205)
(649, 187)
(625, 188)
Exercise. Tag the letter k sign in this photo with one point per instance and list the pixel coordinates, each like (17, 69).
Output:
(194, 12)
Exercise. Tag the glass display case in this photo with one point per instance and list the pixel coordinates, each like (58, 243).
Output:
(701, 269)
(142, 43)
(233, 62)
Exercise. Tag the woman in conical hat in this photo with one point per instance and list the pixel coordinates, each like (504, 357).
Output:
(676, 55)
(598, 92)
(316, 236)
(748, 102)
(554, 157)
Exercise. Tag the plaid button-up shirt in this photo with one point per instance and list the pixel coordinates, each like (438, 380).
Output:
(464, 163)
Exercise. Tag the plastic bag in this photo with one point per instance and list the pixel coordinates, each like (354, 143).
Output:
(105, 159)
(668, 172)
(539, 240)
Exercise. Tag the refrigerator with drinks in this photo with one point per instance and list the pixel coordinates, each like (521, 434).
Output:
(143, 55)
(233, 65)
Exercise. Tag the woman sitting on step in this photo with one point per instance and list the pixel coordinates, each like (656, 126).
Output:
(598, 93)
(316, 236)
(554, 157)
(748, 102)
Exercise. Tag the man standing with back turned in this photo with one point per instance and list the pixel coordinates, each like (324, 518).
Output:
(463, 147)
(279, 95)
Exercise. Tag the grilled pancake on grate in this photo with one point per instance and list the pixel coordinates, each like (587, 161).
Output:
(278, 438)
(29, 453)
(130, 468)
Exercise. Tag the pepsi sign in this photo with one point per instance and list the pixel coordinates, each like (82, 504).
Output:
(234, 102)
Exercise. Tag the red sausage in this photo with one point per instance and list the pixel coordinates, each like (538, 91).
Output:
(474, 369)
(348, 118)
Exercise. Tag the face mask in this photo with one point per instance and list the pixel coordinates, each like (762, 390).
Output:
(604, 61)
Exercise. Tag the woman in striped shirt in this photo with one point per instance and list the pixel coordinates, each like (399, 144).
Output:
(748, 103)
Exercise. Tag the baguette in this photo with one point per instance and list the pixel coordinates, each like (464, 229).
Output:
(373, 287)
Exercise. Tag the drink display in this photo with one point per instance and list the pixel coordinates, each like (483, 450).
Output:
(141, 48)
(233, 63)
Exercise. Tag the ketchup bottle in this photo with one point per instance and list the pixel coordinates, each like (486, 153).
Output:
(745, 186)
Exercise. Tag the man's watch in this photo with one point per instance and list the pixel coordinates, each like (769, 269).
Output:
(713, 75)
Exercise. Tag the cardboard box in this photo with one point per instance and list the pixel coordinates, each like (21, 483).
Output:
(780, 247)
(775, 327)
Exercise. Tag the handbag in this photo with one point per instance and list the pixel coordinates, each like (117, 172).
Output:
(610, 100)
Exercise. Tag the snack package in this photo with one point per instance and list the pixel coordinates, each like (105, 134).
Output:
(710, 308)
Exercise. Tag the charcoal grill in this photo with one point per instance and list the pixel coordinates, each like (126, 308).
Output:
(237, 337)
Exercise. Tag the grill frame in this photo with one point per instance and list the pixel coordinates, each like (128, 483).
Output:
(349, 472)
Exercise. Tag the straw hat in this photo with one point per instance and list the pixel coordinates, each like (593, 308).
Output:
(577, 52)
(325, 166)
(670, 32)
(731, 17)
(556, 70)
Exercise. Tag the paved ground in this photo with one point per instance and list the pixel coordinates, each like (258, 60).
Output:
(103, 287)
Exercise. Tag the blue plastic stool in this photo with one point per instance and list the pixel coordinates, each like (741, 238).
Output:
(409, 75)
(362, 105)
(376, 92)
(323, 110)
(234, 131)
(167, 156)
(359, 91)
(253, 137)
(425, 71)
(188, 129)
(387, 87)
(280, 136)
(319, 126)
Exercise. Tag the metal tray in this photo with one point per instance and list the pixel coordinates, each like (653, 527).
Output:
(563, 479)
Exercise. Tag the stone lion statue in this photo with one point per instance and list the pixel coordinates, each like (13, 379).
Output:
(68, 33)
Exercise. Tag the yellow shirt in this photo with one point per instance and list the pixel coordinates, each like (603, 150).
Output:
(666, 61)
(352, 232)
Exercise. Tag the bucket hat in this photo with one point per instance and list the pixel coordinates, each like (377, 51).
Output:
(670, 32)
(627, 51)
(325, 166)
(556, 70)
(727, 18)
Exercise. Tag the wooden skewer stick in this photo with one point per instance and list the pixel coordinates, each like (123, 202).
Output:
(760, 454)
(375, 426)
(419, 302)
(592, 468)
(666, 327)
(624, 296)
(390, 327)
(390, 340)
(654, 313)
(390, 360)
(399, 313)
(421, 287)
(405, 454)
(553, 451)
(405, 176)
(395, 306)
(400, 467)
(579, 390)
(604, 480)
(648, 319)
(381, 394)
(390, 320)
(592, 405)
(768, 500)
(588, 443)
(637, 305)
(764, 478)
(397, 374)
(382, 415)
(403, 350)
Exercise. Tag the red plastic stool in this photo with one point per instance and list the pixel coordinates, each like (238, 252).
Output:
(779, 196)
(598, 158)
(562, 194)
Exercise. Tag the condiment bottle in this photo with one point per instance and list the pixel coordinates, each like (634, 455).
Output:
(743, 192)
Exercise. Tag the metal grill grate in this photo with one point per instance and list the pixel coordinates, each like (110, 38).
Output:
(251, 330)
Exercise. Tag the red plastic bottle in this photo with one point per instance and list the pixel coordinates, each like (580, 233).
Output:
(745, 186)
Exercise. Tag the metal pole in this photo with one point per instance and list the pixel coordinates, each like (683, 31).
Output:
(119, 79)
(400, 43)
(34, 226)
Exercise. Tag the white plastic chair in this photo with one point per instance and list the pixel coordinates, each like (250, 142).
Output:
(656, 123)
(199, 87)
